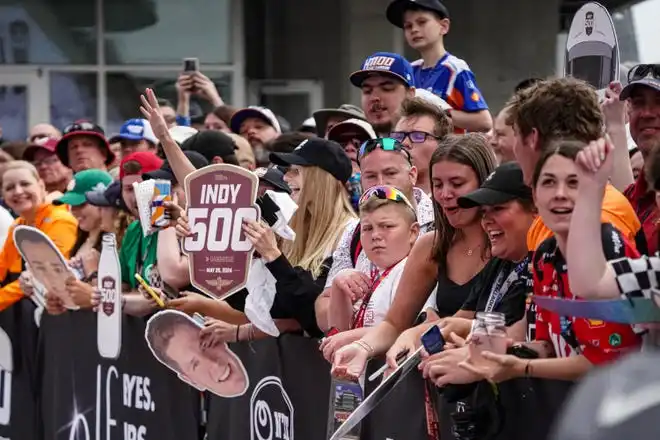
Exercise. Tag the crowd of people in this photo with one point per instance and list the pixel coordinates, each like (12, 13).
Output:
(414, 209)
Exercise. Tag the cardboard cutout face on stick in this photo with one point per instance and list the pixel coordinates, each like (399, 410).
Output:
(592, 49)
(45, 262)
(174, 340)
(219, 198)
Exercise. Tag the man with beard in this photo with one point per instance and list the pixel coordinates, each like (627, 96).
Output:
(643, 96)
(258, 125)
(386, 80)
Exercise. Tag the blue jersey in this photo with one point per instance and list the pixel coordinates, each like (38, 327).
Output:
(452, 80)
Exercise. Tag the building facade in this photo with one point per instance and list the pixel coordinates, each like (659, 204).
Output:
(61, 60)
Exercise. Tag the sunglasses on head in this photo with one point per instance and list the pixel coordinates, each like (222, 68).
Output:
(385, 192)
(642, 71)
(416, 137)
(385, 144)
(81, 126)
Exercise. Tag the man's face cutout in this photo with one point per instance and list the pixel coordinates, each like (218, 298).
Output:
(48, 268)
(215, 369)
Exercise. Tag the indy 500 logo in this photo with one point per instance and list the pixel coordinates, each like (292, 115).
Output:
(271, 411)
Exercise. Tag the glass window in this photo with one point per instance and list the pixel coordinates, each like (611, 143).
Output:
(13, 112)
(48, 32)
(168, 31)
(72, 96)
(124, 91)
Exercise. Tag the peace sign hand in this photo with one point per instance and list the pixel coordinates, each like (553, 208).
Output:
(151, 111)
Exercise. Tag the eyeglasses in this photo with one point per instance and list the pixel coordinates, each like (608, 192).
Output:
(642, 71)
(82, 126)
(416, 137)
(50, 160)
(386, 192)
(349, 141)
(385, 144)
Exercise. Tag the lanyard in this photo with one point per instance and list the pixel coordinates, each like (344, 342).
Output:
(376, 278)
(502, 285)
(565, 323)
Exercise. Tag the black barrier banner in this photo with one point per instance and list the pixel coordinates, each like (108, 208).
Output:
(287, 398)
(19, 417)
(86, 397)
(402, 415)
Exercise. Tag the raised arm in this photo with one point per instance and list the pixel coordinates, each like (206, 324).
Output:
(181, 165)
(589, 274)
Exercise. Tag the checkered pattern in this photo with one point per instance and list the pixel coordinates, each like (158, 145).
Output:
(637, 276)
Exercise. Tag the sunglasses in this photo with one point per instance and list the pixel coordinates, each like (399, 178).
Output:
(385, 144)
(386, 192)
(416, 137)
(82, 126)
(642, 71)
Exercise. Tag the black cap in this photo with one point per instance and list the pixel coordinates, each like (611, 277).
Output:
(397, 8)
(322, 153)
(110, 197)
(503, 185)
(274, 178)
(647, 75)
(83, 128)
(165, 172)
(210, 144)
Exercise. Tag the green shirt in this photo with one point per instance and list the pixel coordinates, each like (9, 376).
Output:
(138, 255)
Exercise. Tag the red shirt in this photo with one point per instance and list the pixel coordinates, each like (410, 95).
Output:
(598, 341)
(642, 198)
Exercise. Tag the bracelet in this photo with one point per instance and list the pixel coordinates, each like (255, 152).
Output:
(528, 369)
(251, 332)
(238, 328)
(365, 346)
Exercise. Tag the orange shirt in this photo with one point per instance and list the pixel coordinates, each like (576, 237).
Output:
(58, 224)
(617, 211)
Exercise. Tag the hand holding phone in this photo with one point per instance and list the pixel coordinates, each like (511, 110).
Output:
(149, 290)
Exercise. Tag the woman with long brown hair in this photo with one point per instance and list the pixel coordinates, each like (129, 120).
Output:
(451, 257)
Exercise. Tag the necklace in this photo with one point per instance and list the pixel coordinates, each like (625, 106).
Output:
(470, 251)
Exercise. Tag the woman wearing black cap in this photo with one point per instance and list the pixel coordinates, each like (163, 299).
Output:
(317, 171)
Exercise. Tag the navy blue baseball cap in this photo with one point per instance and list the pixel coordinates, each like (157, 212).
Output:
(397, 8)
(387, 64)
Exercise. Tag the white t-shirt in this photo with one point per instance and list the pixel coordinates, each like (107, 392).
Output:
(382, 298)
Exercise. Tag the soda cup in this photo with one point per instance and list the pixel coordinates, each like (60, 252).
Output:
(162, 194)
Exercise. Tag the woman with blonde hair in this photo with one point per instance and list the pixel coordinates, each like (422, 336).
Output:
(317, 172)
(25, 193)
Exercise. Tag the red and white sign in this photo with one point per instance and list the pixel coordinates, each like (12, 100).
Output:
(219, 198)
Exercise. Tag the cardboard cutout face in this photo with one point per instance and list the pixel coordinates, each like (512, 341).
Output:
(592, 49)
(45, 262)
(173, 338)
(219, 198)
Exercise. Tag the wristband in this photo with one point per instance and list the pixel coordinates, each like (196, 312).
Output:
(238, 328)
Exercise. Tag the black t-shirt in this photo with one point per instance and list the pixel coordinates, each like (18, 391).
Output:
(511, 280)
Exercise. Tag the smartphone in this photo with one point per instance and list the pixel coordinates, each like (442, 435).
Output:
(199, 319)
(433, 341)
(190, 65)
(149, 290)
